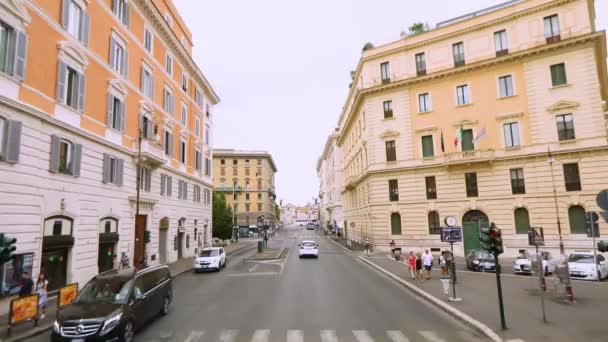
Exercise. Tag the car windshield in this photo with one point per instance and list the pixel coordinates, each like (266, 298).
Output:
(105, 290)
(308, 244)
(581, 258)
(483, 255)
(209, 253)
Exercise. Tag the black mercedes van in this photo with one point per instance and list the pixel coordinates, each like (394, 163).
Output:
(114, 304)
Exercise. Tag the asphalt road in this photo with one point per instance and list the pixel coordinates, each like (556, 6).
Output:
(332, 298)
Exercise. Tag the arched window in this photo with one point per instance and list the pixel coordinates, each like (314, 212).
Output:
(181, 222)
(434, 225)
(576, 216)
(395, 224)
(522, 221)
(58, 225)
(108, 225)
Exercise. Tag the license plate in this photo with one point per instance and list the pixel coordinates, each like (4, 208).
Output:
(78, 340)
(577, 272)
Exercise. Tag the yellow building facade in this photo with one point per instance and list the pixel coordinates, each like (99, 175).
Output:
(480, 119)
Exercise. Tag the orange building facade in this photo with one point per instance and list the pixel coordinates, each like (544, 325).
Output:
(91, 91)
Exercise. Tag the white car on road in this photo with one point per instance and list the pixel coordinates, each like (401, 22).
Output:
(308, 248)
(523, 263)
(582, 265)
(211, 258)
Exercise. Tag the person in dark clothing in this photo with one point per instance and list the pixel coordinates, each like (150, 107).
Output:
(26, 285)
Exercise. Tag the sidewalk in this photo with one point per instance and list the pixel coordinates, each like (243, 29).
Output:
(582, 321)
(24, 330)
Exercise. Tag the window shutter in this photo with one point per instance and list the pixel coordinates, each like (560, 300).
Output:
(115, 7)
(126, 19)
(151, 95)
(112, 48)
(120, 169)
(125, 63)
(106, 168)
(61, 72)
(76, 159)
(13, 141)
(162, 184)
(122, 116)
(179, 189)
(148, 180)
(149, 129)
(185, 190)
(54, 161)
(82, 87)
(110, 103)
(65, 13)
(170, 185)
(84, 29)
(170, 145)
(20, 55)
(142, 81)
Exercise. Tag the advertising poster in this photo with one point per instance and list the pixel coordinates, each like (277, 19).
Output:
(67, 294)
(24, 308)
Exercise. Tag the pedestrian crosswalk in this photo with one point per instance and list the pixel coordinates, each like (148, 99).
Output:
(294, 335)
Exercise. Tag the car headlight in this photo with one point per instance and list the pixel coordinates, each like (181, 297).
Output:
(56, 327)
(110, 324)
(476, 262)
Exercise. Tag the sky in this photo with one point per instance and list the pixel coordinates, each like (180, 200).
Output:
(282, 67)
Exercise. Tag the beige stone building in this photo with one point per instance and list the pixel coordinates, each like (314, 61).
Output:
(247, 180)
(329, 171)
(459, 121)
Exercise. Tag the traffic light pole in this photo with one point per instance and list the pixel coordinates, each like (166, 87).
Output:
(501, 307)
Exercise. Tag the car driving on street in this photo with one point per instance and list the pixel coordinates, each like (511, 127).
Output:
(582, 265)
(310, 226)
(210, 258)
(480, 260)
(308, 248)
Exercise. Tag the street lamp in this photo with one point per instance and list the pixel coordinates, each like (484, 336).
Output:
(559, 226)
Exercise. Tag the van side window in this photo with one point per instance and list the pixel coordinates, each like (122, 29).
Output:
(138, 288)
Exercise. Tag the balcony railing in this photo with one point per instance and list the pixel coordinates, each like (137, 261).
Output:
(152, 153)
(469, 156)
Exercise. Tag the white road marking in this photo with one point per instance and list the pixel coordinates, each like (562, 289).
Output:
(328, 336)
(295, 336)
(194, 336)
(515, 340)
(397, 336)
(431, 336)
(261, 335)
(362, 336)
(228, 335)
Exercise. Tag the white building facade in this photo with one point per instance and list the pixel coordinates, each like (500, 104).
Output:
(329, 171)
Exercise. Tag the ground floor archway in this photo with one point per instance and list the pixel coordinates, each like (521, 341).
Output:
(472, 222)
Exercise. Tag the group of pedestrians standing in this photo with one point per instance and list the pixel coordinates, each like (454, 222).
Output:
(420, 265)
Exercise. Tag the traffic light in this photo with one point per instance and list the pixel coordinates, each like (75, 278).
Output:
(602, 246)
(486, 240)
(593, 228)
(7, 247)
(147, 237)
(496, 238)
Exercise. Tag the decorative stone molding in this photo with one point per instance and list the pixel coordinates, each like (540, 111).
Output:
(73, 51)
(426, 129)
(465, 123)
(563, 106)
(118, 86)
(508, 116)
(17, 14)
(389, 134)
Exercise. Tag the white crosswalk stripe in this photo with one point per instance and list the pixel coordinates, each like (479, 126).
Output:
(328, 336)
(228, 335)
(262, 335)
(295, 336)
(195, 336)
(431, 336)
(362, 336)
(397, 336)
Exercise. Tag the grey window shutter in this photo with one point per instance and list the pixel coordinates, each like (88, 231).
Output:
(141, 122)
(179, 189)
(185, 190)
(148, 180)
(106, 168)
(170, 187)
(142, 81)
(61, 72)
(115, 6)
(76, 160)
(13, 141)
(112, 48)
(151, 86)
(120, 169)
(123, 108)
(20, 56)
(82, 88)
(125, 63)
(109, 119)
(65, 13)
(149, 129)
(54, 160)
(84, 29)
(170, 145)
(126, 19)
(162, 184)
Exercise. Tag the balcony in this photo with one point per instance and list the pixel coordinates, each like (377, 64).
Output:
(152, 154)
(469, 157)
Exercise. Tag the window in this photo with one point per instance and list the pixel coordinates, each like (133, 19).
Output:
(13, 49)
(166, 185)
(246, 197)
(424, 103)
(120, 8)
(259, 161)
(169, 65)
(522, 221)
(462, 94)
(467, 140)
(168, 101)
(198, 98)
(395, 224)
(10, 140)
(182, 192)
(501, 44)
(182, 151)
(65, 156)
(572, 177)
(184, 82)
(511, 131)
(207, 167)
(391, 153)
(578, 220)
(148, 40)
(470, 179)
(75, 20)
(247, 207)
(458, 51)
(434, 224)
(565, 127)
(505, 84)
(145, 179)
(168, 143)
(196, 193)
(71, 86)
(235, 162)
(260, 207)
(197, 159)
(112, 169)
(259, 196)
(223, 162)
(420, 64)
(385, 72)
(197, 127)
(393, 190)
(116, 113)
(558, 75)
(207, 135)
(552, 33)
(431, 187)
(518, 185)
(184, 117)
(388, 109)
(427, 146)
(147, 82)
(169, 19)
(259, 184)
(235, 171)
(119, 57)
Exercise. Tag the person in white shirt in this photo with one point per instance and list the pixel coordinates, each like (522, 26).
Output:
(427, 262)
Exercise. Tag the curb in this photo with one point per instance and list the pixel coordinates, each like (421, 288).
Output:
(339, 244)
(463, 317)
(279, 256)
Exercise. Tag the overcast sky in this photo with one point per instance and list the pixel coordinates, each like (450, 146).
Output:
(281, 69)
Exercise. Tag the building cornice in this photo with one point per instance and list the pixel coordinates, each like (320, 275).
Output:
(220, 152)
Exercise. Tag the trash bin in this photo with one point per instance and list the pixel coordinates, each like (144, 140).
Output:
(260, 246)
(397, 253)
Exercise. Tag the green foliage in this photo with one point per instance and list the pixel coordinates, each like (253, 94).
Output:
(222, 217)
(418, 28)
(367, 46)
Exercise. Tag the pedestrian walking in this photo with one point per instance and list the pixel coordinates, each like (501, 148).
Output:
(368, 246)
(411, 260)
(41, 290)
(444, 265)
(27, 285)
(419, 274)
(427, 262)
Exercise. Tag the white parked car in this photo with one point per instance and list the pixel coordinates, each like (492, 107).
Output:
(211, 258)
(523, 263)
(582, 265)
(309, 248)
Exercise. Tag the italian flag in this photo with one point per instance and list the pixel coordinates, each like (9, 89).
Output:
(458, 136)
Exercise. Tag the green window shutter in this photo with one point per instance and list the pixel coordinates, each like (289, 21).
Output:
(395, 224)
(522, 221)
(427, 146)
(467, 140)
(578, 221)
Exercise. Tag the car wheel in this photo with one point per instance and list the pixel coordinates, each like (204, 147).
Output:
(165, 309)
(128, 332)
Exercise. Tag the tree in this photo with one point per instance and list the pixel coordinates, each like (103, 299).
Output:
(367, 46)
(418, 28)
(352, 78)
(222, 217)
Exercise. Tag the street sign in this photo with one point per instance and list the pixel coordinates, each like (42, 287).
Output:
(451, 234)
(593, 227)
(536, 236)
(602, 199)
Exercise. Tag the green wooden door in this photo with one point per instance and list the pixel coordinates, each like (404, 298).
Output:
(471, 236)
